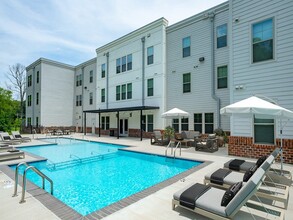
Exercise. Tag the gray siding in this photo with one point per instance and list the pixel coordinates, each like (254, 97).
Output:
(274, 78)
(199, 100)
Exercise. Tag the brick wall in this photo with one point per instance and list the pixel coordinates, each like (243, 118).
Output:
(244, 147)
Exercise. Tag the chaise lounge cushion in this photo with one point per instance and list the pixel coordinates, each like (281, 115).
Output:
(260, 161)
(230, 193)
(249, 173)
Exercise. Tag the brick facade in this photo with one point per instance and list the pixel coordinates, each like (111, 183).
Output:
(244, 147)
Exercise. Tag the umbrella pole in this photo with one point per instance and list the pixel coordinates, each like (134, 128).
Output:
(281, 148)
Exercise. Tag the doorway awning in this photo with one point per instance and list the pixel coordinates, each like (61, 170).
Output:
(123, 109)
(117, 110)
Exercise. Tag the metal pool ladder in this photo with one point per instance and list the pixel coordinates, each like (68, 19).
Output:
(171, 145)
(37, 171)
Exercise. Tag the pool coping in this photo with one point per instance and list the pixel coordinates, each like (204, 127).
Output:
(65, 212)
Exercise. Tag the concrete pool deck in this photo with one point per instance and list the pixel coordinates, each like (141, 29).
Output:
(154, 206)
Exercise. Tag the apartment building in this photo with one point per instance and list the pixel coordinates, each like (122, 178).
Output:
(201, 64)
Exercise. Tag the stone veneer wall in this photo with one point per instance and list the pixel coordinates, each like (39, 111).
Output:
(244, 147)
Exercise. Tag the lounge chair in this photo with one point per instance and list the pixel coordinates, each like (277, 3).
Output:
(158, 138)
(278, 175)
(17, 136)
(11, 154)
(207, 200)
(224, 178)
(6, 139)
(208, 144)
(5, 148)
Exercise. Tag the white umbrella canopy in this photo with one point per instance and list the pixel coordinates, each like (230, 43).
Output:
(175, 113)
(257, 106)
(260, 108)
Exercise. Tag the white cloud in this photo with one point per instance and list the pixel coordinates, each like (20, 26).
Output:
(70, 30)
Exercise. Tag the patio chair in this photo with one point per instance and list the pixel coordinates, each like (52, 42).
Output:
(17, 136)
(6, 139)
(208, 144)
(278, 175)
(189, 136)
(217, 203)
(11, 154)
(158, 138)
(224, 178)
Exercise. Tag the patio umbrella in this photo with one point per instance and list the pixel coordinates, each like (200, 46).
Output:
(176, 113)
(262, 109)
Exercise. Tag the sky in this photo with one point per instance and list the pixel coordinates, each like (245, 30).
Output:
(69, 31)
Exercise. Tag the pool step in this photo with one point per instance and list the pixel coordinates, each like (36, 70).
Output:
(77, 161)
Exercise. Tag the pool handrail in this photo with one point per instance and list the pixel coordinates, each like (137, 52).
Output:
(37, 171)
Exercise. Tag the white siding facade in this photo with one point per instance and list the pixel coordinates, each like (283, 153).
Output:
(199, 99)
(272, 78)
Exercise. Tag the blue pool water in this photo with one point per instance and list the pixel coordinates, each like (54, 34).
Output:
(88, 185)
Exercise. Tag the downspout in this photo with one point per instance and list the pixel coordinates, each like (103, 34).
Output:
(33, 99)
(143, 69)
(107, 81)
(82, 98)
(214, 96)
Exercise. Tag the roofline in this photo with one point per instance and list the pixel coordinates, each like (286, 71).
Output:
(198, 17)
(51, 62)
(91, 61)
(135, 33)
(134, 108)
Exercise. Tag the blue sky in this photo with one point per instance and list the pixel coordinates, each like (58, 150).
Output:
(69, 31)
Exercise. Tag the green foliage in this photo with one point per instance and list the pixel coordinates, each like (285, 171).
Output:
(221, 133)
(9, 110)
(169, 132)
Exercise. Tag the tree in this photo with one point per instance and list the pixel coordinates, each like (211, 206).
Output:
(8, 111)
(17, 78)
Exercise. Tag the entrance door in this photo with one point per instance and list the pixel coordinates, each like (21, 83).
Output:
(123, 127)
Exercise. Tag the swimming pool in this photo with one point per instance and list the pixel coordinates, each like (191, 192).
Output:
(89, 185)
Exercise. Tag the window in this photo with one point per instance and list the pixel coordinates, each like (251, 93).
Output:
(143, 122)
(91, 98)
(29, 81)
(118, 65)
(209, 123)
(78, 80)
(222, 36)
(103, 70)
(175, 124)
(150, 123)
(184, 124)
(150, 54)
(186, 83)
(29, 121)
(102, 95)
(38, 76)
(37, 98)
(105, 122)
(222, 77)
(186, 47)
(129, 62)
(264, 131)
(118, 93)
(78, 100)
(262, 45)
(124, 64)
(150, 87)
(198, 122)
(29, 100)
(37, 121)
(123, 93)
(129, 90)
(91, 76)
